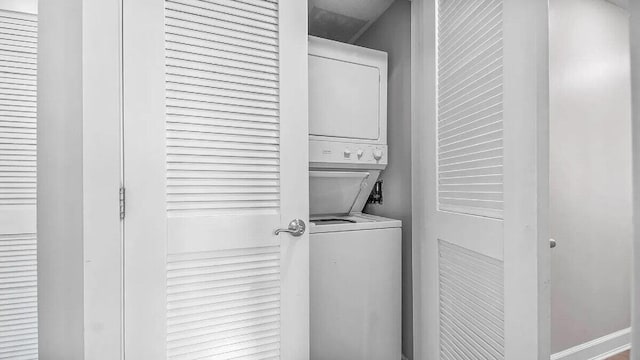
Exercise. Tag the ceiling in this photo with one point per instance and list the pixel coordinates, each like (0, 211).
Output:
(621, 3)
(344, 20)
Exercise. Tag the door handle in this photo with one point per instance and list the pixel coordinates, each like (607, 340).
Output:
(552, 243)
(296, 228)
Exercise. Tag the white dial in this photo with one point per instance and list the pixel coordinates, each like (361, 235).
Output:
(360, 153)
(377, 154)
(347, 153)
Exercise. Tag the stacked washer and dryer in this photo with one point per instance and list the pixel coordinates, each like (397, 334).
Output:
(355, 258)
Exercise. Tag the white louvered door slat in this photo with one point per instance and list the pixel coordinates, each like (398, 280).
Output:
(18, 244)
(470, 190)
(215, 158)
(470, 114)
(481, 290)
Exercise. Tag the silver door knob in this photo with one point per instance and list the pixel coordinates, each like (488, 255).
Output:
(296, 228)
(552, 243)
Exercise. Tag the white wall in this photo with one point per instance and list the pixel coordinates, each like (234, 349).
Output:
(60, 262)
(102, 116)
(590, 170)
(635, 68)
(392, 33)
(79, 242)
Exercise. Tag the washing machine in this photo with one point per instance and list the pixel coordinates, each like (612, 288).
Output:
(355, 258)
(355, 288)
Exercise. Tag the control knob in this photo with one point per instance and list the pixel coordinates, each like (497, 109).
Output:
(377, 154)
(360, 153)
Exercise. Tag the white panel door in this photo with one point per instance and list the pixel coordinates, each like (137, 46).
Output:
(18, 253)
(216, 159)
(481, 117)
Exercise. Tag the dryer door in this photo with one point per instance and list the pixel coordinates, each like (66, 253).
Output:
(344, 99)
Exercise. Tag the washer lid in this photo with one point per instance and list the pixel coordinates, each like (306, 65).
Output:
(339, 192)
(324, 224)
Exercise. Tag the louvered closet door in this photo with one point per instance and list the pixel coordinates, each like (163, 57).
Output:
(215, 155)
(483, 290)
(18, 285)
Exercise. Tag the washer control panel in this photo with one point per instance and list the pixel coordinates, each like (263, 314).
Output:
(333, 152)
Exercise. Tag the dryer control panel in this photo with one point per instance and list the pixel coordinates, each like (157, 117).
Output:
(325, 154)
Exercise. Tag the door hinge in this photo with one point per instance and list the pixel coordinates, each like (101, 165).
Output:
(122, 203)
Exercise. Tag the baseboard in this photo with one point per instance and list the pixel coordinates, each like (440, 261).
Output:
(598, 349)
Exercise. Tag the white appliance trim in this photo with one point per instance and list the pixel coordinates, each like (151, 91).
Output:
(598, 349)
